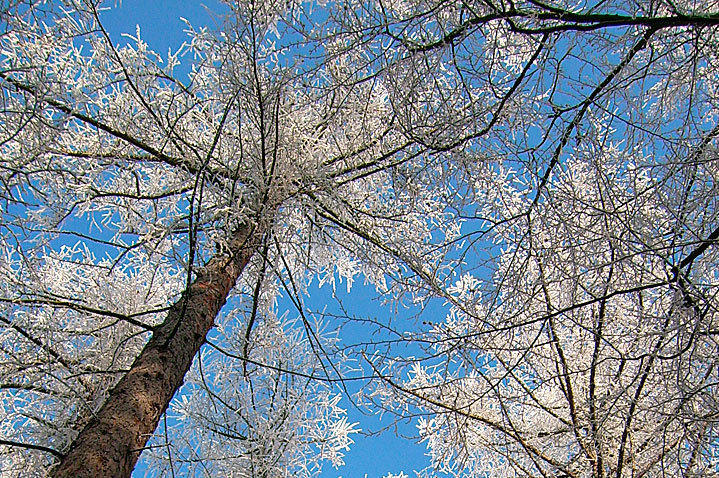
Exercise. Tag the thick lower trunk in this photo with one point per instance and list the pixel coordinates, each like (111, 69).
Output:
(110, 444)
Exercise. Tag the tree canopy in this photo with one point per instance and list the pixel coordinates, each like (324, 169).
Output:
(532, 186)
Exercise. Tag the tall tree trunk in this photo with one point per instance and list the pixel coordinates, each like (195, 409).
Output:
(110, 445)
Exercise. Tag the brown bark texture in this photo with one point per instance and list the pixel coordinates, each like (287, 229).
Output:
(111, 443)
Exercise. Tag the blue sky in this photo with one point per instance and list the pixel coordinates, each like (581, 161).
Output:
(161, 28)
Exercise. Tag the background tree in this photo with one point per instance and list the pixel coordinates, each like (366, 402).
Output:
(581, 333)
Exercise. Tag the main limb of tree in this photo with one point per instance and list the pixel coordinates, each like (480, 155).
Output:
(111, 443)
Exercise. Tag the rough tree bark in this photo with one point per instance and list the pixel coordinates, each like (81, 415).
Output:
(110, 445)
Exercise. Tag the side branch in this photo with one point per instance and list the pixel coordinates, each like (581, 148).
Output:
(152, 154)
(31, 446)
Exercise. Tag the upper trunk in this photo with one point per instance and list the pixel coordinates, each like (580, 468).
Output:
(110, 445)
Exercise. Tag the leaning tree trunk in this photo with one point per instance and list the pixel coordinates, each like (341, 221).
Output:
(110, 445)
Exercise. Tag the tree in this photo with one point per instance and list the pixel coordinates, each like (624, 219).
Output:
(133, 202)
(581, 336)
(544, 171)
